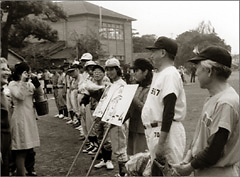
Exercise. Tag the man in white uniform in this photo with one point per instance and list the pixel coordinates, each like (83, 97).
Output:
(165, 106)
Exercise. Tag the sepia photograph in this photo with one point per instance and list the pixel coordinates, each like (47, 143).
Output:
(119, 88)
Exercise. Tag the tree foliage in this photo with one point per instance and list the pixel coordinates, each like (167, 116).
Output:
(18, 22)
(139, 43)
(199, 39)
(89, 43)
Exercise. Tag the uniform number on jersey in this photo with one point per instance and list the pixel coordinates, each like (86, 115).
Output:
(155, 91)
(156, 134)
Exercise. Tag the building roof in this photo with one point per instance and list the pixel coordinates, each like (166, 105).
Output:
(73, 8)
(19, 57)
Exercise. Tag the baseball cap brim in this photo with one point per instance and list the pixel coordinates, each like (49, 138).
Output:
(197, 59)
(151, 48)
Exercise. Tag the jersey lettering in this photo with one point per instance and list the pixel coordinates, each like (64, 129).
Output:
(155, 91)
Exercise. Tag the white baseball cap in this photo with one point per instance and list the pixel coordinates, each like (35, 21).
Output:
(90, 63)
(112, 62)
(75, 62)
(86, 56)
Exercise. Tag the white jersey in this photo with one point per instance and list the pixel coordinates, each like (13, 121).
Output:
(165, 82)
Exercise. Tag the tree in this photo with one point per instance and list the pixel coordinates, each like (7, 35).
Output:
(200, 38)
(88, 43)
(19, 21)
(139, 43)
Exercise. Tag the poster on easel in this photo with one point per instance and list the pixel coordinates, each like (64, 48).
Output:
(119, 104)
(104, 100)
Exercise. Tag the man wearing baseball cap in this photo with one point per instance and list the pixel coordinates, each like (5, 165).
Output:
(215, 147)
(165, 106)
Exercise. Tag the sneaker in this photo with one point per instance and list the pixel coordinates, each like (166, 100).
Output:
(33, 173)
(82, 138)
(93, 151)
(61, 116)
(109, 165)
(66, 118)
(79, 127)
(100, 164)
(56, 116)
(88, 149)
(69, 122)
(75, 121)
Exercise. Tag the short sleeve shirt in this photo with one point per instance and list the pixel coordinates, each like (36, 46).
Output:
(220, 110)
(165, 82)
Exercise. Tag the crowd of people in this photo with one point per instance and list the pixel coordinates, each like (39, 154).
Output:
(153, 122)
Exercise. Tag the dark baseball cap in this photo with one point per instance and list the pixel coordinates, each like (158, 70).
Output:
(214, 53)
(168, 44)
(73, 67)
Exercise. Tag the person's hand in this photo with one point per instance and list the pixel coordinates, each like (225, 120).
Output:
(82, 109)
(160, 154)
(183, 169)
(24, 76)
(187, 157)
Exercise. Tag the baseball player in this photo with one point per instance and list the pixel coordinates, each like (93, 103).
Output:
(165, 106)
(215, 147)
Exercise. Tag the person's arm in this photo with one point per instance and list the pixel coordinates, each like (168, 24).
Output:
(207, 157)
(168, 111)
(35, 81)
(210, 155)
(168, 115)
(85, 100)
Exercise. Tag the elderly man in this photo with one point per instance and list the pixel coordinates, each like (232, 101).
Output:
(165, 106)
(215, 147)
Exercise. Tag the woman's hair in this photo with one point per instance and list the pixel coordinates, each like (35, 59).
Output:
(220, 71)
(19, 69)
(144, 64)
(119, 71)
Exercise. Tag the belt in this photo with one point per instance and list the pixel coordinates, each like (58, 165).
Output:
(153, 125)
(60, 87)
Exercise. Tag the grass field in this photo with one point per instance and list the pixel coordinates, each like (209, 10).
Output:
(60, 143)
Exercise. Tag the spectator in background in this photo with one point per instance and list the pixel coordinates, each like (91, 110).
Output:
(5, 121)
(193, 73)
(46, 78)
(61, 85)
(23, 119)
(55, 90)
(143, 75)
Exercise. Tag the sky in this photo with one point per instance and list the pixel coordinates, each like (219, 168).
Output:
(172, 18)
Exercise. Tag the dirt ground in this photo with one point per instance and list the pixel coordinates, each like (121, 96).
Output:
(60, 142)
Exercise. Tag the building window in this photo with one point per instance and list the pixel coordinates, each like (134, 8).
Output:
(112, 31)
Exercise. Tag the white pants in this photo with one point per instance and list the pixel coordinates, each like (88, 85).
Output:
(69, 106)
(73, 100)
(175, 143)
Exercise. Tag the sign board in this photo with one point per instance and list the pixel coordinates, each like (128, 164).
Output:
(119, 104)
(104, 100)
